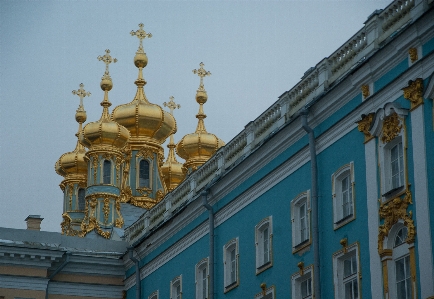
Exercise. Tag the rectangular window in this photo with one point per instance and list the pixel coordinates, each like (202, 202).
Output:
(350, 278)
(306, 288)
(403, 278)
(230, 262)
(303, 223)
(302, 283)
(176, 288)
(346, 272)
(343, 197)
(202, 279)
(264, 246)
(265, 237)
(300, 218)
(233, 266)
(397, 166)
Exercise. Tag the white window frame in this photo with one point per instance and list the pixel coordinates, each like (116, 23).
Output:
(339, 258)
(264, 244)
(177, 281)
(200, 267)
(151, 169)
(154, 295)
(296, 206)
(398, 252)
(270, 293)
(230, 265)
(102, 171)
(344, 172)
(300, 277)
(389, 190)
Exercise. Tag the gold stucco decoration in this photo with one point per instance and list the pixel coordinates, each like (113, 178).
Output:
(391, 127)
(414, 92)
(412, 53)
(364, 124)
(66, 226)
(300, 265)
(344, 243)
(391, 212)
(365, 91)
(106, 209)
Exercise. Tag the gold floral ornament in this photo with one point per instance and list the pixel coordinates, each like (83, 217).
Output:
(414, 92)
(365, 91)
(391, 127)
(393, 211)
(365, 124)
(412, 53)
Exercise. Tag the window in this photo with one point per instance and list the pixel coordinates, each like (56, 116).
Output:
(302, 284)
(343, 195)
(402, 266)
(267, 293)
(263, 240)
(154, 295)
(230, 260)
(202, 274)
(176, 288)
(300, 209)
(81, 202)
(345, 271)
(397, 166)
(144, 174)
(107, 172)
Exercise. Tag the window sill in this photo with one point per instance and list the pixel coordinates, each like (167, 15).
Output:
(301, 245)
(263, 267)
(344, 221)
(231, 286)
(394, 193)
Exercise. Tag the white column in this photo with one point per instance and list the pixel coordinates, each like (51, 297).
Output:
(373, 218)
(421, 203)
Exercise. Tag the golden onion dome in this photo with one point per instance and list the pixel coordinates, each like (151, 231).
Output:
(105, 132)
(196, 148)
(143, 119)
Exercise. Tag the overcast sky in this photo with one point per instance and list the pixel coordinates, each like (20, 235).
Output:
(255, 50)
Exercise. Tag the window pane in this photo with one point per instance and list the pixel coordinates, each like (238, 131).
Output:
(266, 237)
(144, 173)
(233, 266)
(81, 202)
(107, 172)
(204, 283)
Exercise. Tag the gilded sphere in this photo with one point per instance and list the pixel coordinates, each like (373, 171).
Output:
(140, 60)
(106, 84)
(80, 116)
(201, 96)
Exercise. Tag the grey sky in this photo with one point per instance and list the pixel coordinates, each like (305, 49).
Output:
(255, 50)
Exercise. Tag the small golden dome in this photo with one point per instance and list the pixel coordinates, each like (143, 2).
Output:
(196, 148)
(72, 163)
(173, 171)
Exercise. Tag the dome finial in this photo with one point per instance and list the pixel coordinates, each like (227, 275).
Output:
(106, 82)
(201, 97)
(172, 106)
(141, 35)
(201, 72)
(80, 115)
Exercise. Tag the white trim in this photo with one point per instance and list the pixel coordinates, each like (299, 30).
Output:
(154, 295)
(345, 171)
(297, 279)
(338, 269)
(373, 222)
(303, 199)
(177, 281)
(200, 266)
(426, 272)
(264, 260)
(269, 291)
(231, 265)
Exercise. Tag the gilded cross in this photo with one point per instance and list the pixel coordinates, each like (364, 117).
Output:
(81, 93)
(171, 105)
(141, 34)
(107, 59)
(201, 72)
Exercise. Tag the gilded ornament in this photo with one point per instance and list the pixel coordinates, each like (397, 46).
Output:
(393, 211)
(263, 286)
(81, 93)
(414, 92)
(300, 265)
(365, 124)
(391, 127)
(412, 52)
(106, 209)
(145, 153)
(344, 243)
(107, 59)
(365, 91)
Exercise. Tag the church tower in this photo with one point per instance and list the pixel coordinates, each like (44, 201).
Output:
(149, 126)
(73, 167)
(105, 139)
(196, 148)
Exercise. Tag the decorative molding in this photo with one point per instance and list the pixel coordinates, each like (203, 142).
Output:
(414, 92)
(364, 125)
(365, 91)
(391, 127)
(412, 53)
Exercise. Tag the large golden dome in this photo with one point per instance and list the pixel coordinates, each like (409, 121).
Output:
(196, 148)
(145, 121)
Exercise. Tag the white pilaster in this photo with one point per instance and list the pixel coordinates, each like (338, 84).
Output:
(425, 254)
(373, 221)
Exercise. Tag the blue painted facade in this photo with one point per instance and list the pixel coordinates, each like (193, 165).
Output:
(274, 168)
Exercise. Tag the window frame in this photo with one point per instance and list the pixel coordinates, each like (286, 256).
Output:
(269, 291)
(102, 179)
(345, 171)
(298, 278)
(200, 266)
(260, 240)
(78, 199)
(227, 265)
(296, 204)
(139, 158)
(154, 295)
(177, 281)
(339, 258)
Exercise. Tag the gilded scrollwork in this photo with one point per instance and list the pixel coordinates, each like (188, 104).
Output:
(391, 127)
(414, 92)
(95, 167)
(391, 212)
(364, 124)
(412, 53)
(106, 209)
(145, 153)
(365, 91)
(120, 220)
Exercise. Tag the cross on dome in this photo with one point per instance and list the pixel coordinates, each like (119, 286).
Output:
(81, 93)
(141, 35)
(201, 72)
(171, 105)
(107, 59)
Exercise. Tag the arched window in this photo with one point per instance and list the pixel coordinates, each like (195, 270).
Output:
(81, 202)
(144, 174)
(107, 172)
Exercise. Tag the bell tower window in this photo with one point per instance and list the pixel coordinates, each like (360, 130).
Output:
(144, 174)
(81, 202)
(107, 171)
